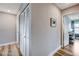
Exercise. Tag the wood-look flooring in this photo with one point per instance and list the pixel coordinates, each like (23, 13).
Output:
(69, 50)
(64, 52)
(10, 50)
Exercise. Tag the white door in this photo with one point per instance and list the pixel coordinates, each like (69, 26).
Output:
(25, 19)
(22, 33)
(67, 21)
(27, 28)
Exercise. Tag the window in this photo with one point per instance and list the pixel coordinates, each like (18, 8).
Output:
(76, 28)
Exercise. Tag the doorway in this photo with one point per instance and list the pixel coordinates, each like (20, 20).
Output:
(70, 29)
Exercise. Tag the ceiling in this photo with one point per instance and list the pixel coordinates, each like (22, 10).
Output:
(74, 16)
(65, 5)
(11, 8)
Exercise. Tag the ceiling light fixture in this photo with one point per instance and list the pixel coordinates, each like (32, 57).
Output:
(8, 10)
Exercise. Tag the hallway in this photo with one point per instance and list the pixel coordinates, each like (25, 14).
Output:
(38, 29)
(69, 50)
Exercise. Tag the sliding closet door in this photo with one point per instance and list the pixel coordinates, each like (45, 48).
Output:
(22, 33)
(25, 25)
(28, 27)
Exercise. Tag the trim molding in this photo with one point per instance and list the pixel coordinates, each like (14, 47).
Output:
(8, 43)
(51, 54)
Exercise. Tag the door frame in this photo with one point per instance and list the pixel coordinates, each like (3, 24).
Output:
(62, 28)
(62, 40)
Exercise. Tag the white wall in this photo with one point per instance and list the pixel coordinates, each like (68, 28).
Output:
(7, 28)
(45, 39)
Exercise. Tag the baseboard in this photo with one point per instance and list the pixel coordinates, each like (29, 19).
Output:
(8, 43)
(52, 53)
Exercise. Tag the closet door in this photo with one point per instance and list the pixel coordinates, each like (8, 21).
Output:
(22, 33)
(28, 29)
(25, 25)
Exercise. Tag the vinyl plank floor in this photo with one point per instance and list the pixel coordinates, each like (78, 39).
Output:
(69, 50)
(10, 50)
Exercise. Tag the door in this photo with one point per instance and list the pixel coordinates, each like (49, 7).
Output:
(22, 33)
(27, 29)
(66, 24)
(25, 25)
